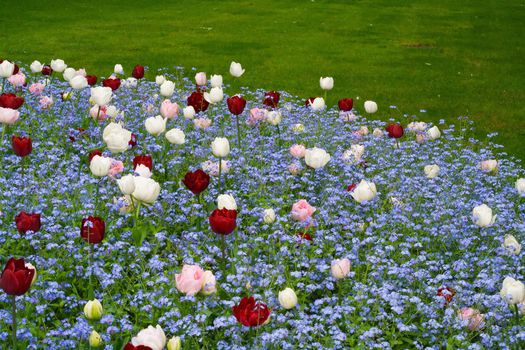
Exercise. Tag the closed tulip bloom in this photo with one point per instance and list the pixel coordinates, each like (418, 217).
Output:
(138, 72)
(489, 165)
(16, 277)
(101, 95)
(126, 184)
(370, 107)
(520, 186)
(431, 171)
(189, 112)
(340, 268)
(93, 310)
(58, 65)
(318, 104)
(159, 79)
(196, 181)
(220, 147)
(151, 337)
(94, 339)
(112, 82)
(209, 283)
(78, 82)
(223, 221)
(167, 88)
(198, 102)
(8, 115)
(47, 70)
(326, 83)
(69, 73)
(200, 79)
(364, 191)
(155, 125)
(93, 229)
(99, 166)
(168, 109)
(345, 104)
(6, 69)
(146, 190)
(36, 67)
(176, 136)
(27, 222)
(394, 130)
(236, 104)
(482, 216)
(236, 69)
(316, 157)
(250, 313)
(174, 343)
(511, 245)
(226, 201)
(142, 170)
(22, 146)
(214, 96)
(269, 216)
(433, 133)
(216, 81)
(190, 280)
(91, 79)
(512, 291)
(287, 298)
(8, 100)
(274, 117)
(297, 151)
(118, 69)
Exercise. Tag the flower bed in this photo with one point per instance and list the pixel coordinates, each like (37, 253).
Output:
(260, 221)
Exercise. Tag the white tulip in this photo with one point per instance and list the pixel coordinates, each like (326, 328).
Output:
(370, 107)
(326, 83)
(159, 79)
(355, 153)
(364, 191)
(316, 157)
(118, 69)
(94, 339)
(142, 170)
(176, 136)
(378, 132)
(126, 184)
(511, 245)
(93, 309)
(318, 104)
(146, 190)
(167, 88)
(214, 96)
(151, 337)
(273, 117)
(489, 165)
(69, 73)
(101, 95)
(269, 216)
(482, 216)
(111, 111)
(99, 166)
(130, 82)
(209, 283)
(433, 133)
(431, 171)
(116, 137)
(417, 126)
(175, 343)
(220, 147)
(236, 69)
(340, 268)
(58, 65)
(216, 81)
(226, 201)
(287, 298)
(36, 67)
(512, 291)
(520, 186)
(78, 82)
(6, 69)
(155, 125)
(189, 112)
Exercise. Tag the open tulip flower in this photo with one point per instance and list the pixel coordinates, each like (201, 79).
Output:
(250, 313)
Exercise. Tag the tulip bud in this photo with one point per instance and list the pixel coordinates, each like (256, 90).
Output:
(273, 117)
(36, 67)
(200, 78)
(58, 65)
(340, 268)
(316, 157)
(236, 69)
(216, 81)
(93, 309)
(370, 107)
(318, 104)
(118, 69)
(174, 343)
(159, 79)
(167, 88)
(176, 136)
(433, 133)
(326, 83)
(100, 166)
(510, 244)
(298, 128)
(94, 339)
(482, 216)
(31, 267)
(512, 291)
(209, 284)
(220, 147)
(189, 112)
(214, 96)
(269, 216)
(287, 298)
(431, 171)
(364, 191)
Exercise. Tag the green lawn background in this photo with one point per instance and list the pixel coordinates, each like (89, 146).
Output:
(450, 58)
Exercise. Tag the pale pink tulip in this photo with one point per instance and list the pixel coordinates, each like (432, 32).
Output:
(190, 280)
(302, 211)
(168, 109)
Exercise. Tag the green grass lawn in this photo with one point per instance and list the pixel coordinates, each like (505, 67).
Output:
(448, 57)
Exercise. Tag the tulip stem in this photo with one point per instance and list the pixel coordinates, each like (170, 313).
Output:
(223, 250)
(238, 132)
(137, 213)
(13, 303)
(3, 132)
(220, 171)
(279, 133)
(96, 197)
(517, 314)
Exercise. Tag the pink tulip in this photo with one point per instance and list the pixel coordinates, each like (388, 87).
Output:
(115, 168)
(302, 211)
(475, 319)
(297, 151)
(169, 109)
(202, 123)
(200, 78)
(36, 88)
(93, 112)
(8, 115)
(45, 102)
(256, 115)
(190, 280)
(18, 79)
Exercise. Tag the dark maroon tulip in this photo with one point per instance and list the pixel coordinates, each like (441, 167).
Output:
(250, 313)
(138, 72)
(91, 79)
(236, 104)
(27, 222)
(16, 278)
(394, 130)
(196, 181)
(271, 99)
(93, 153)
(223, 221)
(351, 187)
(145, 160)
(197, 101)
(133, 141)
(346, 104)
(47, 70)
(22, 146)
(309, 101)
(113, 83)
(12, 101)
(130, 346)
(304, 235)
(92, 229)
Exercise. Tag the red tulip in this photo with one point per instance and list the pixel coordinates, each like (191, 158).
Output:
(309, 101)
(446, 293)
(11, 101)
(236, 104)
(22, 146)
(250, 313)
(92, 154)
(223, 221)
(91, 79)
(47, 70)
(197, 101)
(145, 160)
(133, 141)
(351, 187)
(130, 346)
(92, 229)
(196, 181)
(27, 222)
(394, 130)
(271, 99)
(138, 72)
(113, 83)
(306, 236)
(346, 104)
(16, 277)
